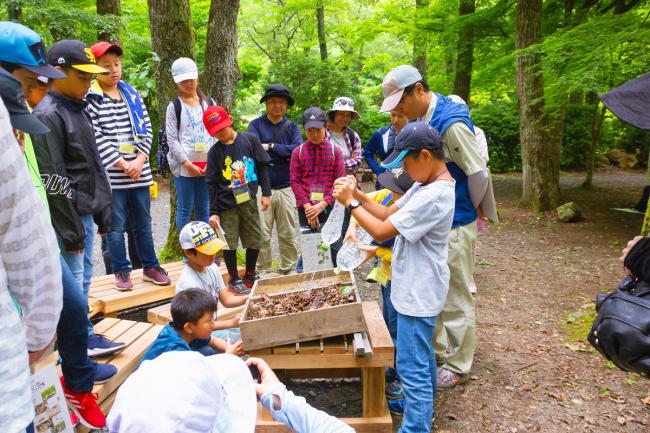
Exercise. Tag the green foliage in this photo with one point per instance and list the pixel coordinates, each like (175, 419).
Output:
(500, 123)
(577, 136)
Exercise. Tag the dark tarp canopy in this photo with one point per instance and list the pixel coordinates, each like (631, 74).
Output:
(631, 101)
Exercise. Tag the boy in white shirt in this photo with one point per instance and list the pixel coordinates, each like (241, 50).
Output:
(421, 222)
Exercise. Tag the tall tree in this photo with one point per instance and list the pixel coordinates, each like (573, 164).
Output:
(419, 46)
(322, 41)
(465, 56)
(221, 68)
(540, 162)
(109, 7)
(15, 10)
(171, 38)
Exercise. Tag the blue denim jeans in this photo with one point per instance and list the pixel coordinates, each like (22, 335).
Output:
(137, 201)
(416, 367)
(72, 335)
(191, 194)
(81, 265)
(390, 317)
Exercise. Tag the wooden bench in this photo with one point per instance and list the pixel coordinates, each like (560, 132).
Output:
(104, 298)
(334, 357)
(162, 315)
(138, 336)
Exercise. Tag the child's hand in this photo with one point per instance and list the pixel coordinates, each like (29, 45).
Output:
(214, 222)
(236, 349)
(351, 234)
(344, 189)
(234, 322)
(368, 251)
(268, 376)
(266, 202)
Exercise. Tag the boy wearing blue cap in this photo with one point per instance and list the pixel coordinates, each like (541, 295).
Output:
(421, 222)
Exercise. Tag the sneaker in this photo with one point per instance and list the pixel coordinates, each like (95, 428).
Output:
(103, 372)
(156, 275)
(448, 379)
(249, 280)
(123, 281)
(98, 345)
(394, 389)
(84, 406)
(239, 287)
(396, 407)
(74, 419)
(372, 276)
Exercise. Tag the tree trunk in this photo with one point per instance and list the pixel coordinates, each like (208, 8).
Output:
(322, 41)
(541, 172)
(15, 10)
(465, 58)
(171, 38)
(420, 46)
(109, 7)
(596, 126)
(221, 68)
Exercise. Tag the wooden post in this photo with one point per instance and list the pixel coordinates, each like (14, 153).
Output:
(373, 382)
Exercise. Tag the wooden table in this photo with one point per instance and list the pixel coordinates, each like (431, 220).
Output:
(104, 298)
(334, 357)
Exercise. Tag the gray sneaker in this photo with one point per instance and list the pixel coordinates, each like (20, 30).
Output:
(448, 379)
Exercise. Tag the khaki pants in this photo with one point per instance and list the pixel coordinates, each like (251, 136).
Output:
(455, 338)
(283, 213)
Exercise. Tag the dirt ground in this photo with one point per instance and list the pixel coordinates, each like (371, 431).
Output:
(537, 279)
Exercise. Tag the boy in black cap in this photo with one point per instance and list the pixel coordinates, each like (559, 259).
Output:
(78, 191)
(279, 137)
(421, 222)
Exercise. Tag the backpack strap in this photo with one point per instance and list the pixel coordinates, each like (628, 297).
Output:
(351, 137)
(177, 109)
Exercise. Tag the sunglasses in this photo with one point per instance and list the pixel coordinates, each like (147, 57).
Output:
(346, 101)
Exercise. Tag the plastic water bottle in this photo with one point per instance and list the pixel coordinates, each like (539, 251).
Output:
(331, 230)
(350, 256)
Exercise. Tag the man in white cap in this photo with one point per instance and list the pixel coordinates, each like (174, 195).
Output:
(406, 91)
(186, 392)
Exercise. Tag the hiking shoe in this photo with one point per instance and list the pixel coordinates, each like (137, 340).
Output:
(396, 407)
(156, 275)
(372, 276)
(103, 372)
(249, 279)
(394, 389)
(98, 345)
(123, 281)
(448, 379)
(239, 287)
(84, 406)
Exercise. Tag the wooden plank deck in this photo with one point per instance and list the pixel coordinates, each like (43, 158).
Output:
(105, 298)
(139, 336)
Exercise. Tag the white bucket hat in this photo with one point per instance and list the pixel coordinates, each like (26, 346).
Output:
(184, 69)
(186, 392)
(342, 103)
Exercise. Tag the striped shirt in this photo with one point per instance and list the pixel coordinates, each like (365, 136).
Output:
(114, 136)
(315, 166)
(30, 272)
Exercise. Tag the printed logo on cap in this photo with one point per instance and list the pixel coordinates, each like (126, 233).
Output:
(201, 234)
(312, 117)
(214, 118)
(38, 51)
(61, 61)
(90, 55)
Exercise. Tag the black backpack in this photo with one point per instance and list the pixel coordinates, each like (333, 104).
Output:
(163, 145)
(621, 331)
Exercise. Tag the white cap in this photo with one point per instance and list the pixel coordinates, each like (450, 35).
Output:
(184, 69)
(394, 84)
(186, 392)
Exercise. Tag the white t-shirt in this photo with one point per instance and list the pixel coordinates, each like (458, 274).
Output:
(211, 280)
(338, 139)
(420, 274)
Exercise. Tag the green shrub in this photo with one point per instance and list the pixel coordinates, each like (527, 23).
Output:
(576, 140)
(499, 120)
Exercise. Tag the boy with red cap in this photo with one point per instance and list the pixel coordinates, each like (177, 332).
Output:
(237, 164)
(123, 134)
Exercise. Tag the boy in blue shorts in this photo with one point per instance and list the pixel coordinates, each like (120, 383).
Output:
(421, 222)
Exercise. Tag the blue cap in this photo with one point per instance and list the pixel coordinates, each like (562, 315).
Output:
(23, 46)
(414, 136)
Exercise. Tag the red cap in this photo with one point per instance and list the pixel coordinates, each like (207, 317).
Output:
(215, 118)
(100, 48)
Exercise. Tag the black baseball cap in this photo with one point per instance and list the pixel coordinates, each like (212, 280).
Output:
(24, 47)
(414, 136)
(313, 117)
(11, 92)
(399, 182)
(279, 91)
(75, 54)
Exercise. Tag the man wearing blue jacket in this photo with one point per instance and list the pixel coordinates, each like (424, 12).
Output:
(279, 137)
(381, 144)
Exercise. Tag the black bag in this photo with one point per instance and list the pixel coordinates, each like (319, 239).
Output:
(163, 145)
(621, 331)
